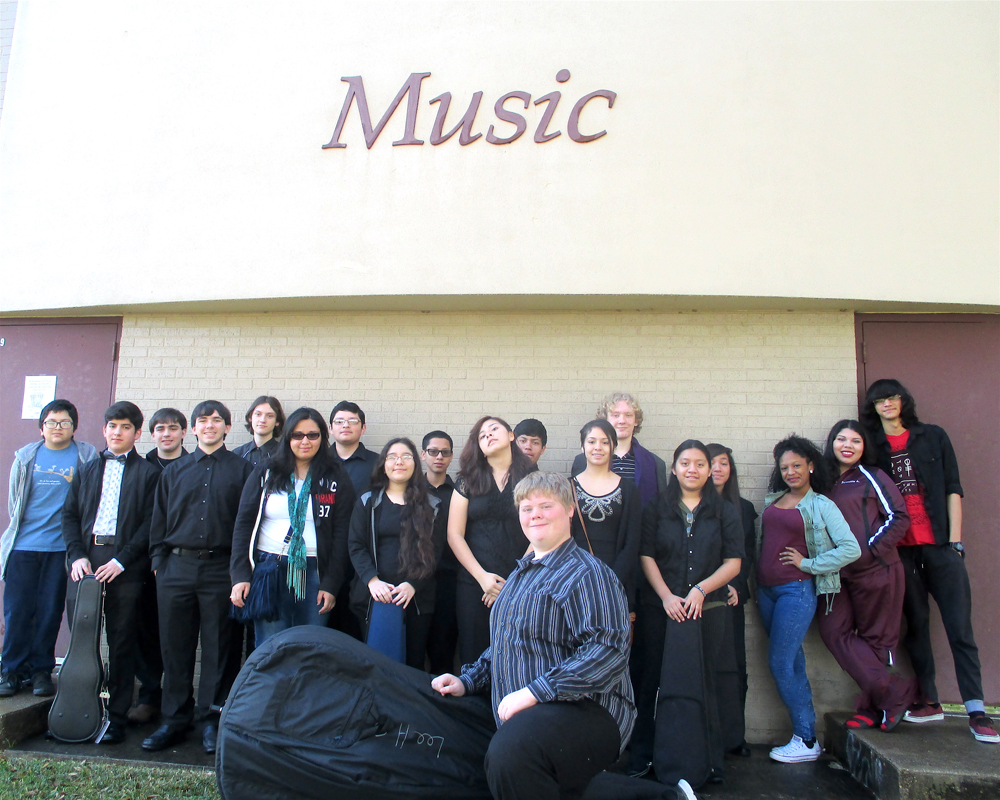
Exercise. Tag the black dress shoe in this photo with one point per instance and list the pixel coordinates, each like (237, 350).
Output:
(162, 738)
(115, 734)
(715, 776)
(208, 737)
(743, 751)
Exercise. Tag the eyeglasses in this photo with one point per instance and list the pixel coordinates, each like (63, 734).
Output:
(52, 424)
(895, 398)
(406, 458)
(352, 421)
(298, 436)
(434, 452)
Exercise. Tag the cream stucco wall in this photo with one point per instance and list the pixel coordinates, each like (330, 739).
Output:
(746, 379)
(165, 152)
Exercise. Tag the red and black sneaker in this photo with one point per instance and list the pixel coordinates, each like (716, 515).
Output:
(982, 728)
(924, 712)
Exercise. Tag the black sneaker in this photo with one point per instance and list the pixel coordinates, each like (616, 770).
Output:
(10, 685)
(42, 683)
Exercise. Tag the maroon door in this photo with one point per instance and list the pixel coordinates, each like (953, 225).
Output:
(951, 365)
(83, 355)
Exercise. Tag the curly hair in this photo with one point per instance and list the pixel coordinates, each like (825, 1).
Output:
(820, 479)
(614, 399)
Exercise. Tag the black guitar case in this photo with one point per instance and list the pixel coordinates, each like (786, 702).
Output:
(316, 714)
(78, 712)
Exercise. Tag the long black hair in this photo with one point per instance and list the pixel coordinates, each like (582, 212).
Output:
(416, 520)
(475, 469)
(710, 500)
(730, 491)
(887, 387)
(867, 452)
(820, 479)
(282, 464)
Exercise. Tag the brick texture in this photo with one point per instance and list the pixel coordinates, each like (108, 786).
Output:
(746, 379)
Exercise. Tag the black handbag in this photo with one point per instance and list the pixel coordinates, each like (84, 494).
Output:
(261, 602)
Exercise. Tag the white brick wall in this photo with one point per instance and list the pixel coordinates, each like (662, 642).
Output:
(746, 379)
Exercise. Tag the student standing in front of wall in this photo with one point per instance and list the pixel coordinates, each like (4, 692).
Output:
(921, 461)
(105, 525)
(190, 543)
(32, 550)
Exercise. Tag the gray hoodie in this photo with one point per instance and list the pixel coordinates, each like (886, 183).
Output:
(20, 487)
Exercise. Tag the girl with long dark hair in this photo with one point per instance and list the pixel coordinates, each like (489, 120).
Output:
(484, 531)
(727, 483)
(608, 518)
(862, 628)
(804, 542)
(296, 510)
(692, 545)
(394, 545)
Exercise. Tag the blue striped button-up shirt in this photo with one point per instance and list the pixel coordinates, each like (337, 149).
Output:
(560, 628)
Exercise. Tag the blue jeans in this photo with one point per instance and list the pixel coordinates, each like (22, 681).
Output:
(33, 599)
(292, 612)
(786, 612)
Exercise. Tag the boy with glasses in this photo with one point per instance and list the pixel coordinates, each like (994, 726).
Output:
(32, 551)
(347, 426)
(437, 451)
(922, 463)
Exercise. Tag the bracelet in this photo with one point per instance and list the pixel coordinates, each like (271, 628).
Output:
(698, 587)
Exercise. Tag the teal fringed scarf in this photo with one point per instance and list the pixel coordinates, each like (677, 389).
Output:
(297, 546)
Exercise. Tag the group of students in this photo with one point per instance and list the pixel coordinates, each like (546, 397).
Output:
(370, 543)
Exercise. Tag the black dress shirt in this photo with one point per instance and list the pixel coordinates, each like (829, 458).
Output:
(153, 457)
(254, 454)
(196, 503)
(560, 628)
(689, 546)
(443, 493)
(359, 466)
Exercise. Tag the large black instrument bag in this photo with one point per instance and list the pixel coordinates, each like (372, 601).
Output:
(317, 714)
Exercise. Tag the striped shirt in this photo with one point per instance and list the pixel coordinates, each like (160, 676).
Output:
(624, 465)
(560, 628)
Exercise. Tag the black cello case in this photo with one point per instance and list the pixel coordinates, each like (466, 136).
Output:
(78, 712)
(315, 713)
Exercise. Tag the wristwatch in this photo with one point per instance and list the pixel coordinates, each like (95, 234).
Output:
(958, 547)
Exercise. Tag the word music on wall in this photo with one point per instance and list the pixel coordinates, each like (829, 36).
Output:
(464, 126)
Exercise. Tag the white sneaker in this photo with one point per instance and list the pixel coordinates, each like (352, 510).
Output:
(684, 788)
(795, 751)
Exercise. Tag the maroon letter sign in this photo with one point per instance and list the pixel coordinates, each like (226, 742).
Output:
(411, 90)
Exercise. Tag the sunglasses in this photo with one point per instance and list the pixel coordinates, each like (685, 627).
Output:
(298, 436)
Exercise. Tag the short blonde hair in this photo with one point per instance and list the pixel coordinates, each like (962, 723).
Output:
(550, 484)
(612, 400)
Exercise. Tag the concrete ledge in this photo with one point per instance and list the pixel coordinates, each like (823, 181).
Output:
(930, 761)
(22, 716)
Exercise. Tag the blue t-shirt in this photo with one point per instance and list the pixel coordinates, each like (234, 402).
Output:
(41, 526)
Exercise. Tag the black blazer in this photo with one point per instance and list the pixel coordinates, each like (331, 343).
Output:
(135, 510)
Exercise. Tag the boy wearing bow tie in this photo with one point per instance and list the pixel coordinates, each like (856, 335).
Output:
(105, 526)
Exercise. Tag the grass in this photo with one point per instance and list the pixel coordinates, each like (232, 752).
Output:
(63, 779)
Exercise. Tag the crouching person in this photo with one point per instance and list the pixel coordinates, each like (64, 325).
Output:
(557, 664)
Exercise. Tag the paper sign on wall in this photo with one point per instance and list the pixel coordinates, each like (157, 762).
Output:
(39, 390)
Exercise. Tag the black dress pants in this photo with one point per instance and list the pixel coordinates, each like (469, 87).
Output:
(442, 639)
(938, 571)
(193, 596)
(473, 621)
(149, 660)
(551, 751)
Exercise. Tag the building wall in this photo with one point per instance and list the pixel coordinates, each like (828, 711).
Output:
(755, 149)
(745, 379)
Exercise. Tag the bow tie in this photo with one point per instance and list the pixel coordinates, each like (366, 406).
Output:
(109, 456)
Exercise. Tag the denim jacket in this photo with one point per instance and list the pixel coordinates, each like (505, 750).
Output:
(829, 540)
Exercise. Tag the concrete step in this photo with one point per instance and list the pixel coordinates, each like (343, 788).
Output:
(930, 761)
(22, 716)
